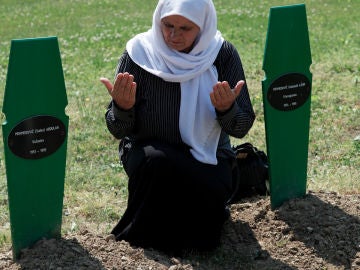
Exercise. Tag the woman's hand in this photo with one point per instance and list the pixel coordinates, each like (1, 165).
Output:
(223, 97)
(123, 91)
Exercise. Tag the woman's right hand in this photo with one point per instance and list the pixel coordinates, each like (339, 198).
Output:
(123, 91)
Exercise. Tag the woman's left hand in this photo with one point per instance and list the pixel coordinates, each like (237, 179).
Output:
(223, 97)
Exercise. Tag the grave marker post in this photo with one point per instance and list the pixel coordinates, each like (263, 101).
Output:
(35, 140)
(286, 98)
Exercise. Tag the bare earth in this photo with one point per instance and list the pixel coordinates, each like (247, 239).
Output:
(320, 231)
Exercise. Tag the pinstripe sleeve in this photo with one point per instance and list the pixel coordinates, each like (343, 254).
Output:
(156, 111)
(118, 121)
(239, 119)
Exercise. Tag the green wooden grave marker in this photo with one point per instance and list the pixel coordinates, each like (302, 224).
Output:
(35, 140)
(286, 97)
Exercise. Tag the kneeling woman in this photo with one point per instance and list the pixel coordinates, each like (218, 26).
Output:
(178, 95)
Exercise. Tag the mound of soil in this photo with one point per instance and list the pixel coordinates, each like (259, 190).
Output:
(319, 231)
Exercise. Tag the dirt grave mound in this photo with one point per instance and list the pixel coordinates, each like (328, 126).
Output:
(319, 231)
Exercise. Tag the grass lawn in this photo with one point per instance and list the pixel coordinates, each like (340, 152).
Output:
(92, 35)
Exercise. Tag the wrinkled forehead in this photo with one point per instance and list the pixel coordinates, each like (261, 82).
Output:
(193, 10)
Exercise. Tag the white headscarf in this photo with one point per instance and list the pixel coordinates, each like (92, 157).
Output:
(194, 71)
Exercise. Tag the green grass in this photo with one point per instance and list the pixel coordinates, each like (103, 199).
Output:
(92, 35)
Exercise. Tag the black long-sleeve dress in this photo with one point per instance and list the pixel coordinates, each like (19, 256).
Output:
(174, 200)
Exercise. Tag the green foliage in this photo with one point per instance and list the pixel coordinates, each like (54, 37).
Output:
(92, 35)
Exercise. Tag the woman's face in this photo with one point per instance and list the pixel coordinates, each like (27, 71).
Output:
(179, 33)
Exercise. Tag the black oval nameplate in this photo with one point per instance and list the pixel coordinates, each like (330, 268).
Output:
(289, 92)
(37, 137)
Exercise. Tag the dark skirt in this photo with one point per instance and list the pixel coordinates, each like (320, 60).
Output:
(175, 202)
